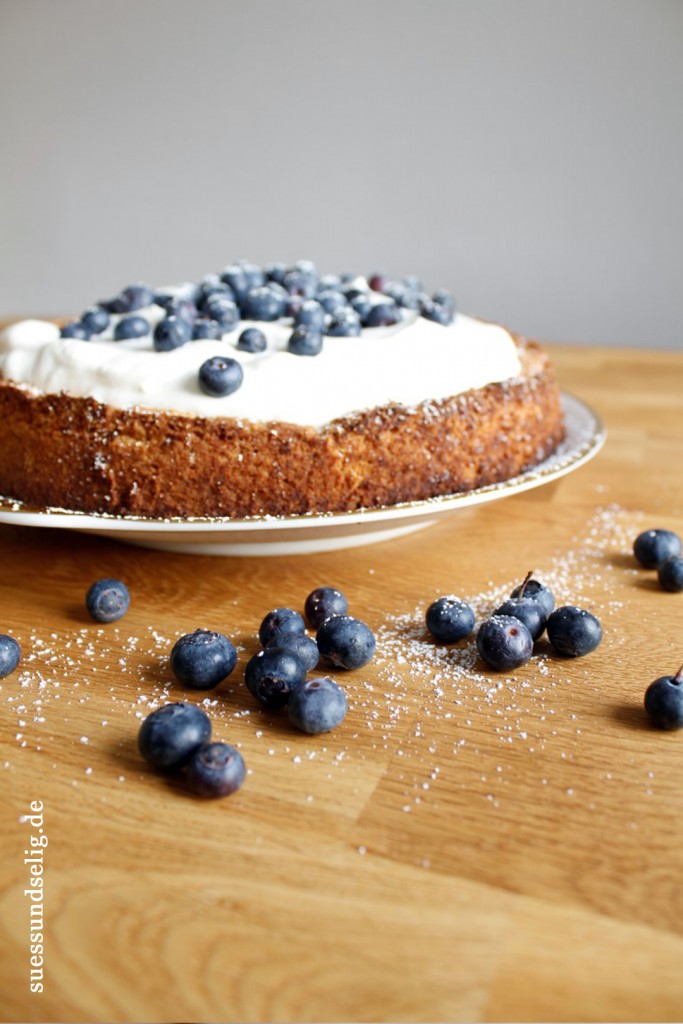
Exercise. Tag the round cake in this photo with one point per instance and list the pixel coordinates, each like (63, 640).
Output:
(268, 391)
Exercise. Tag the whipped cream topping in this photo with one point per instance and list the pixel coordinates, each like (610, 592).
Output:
(409, 363)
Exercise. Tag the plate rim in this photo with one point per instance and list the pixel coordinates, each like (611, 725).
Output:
(554, 467)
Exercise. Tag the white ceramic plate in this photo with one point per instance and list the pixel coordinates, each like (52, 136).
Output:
(307, 534)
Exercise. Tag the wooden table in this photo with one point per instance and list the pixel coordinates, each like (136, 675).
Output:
(468, 845)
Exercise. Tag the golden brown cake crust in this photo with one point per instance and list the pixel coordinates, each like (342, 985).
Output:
(75, 453)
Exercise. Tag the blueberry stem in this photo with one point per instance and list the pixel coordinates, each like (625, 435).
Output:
(528, 576)
(678, 678)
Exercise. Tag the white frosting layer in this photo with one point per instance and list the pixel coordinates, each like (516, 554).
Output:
(415, 361)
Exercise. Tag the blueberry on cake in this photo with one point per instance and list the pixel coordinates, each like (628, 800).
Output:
(268, 391)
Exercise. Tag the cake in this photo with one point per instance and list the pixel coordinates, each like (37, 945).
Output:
(268, 392)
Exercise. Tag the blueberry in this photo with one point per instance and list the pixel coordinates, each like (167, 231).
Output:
(204, 328)
(664, 701)
(310, 314)
(235, 276)
(252, 339)
(527, 608)
(135, 296)
(305, 341)
(131, 327)
(528, 611)
(440, 314)
(301, 281)
(182, 308)
(254, 274)
(345, 323)
(215, 769)
(345, 641)
(224, 310)
(449, 619)
(280, 620)
(378, 281)
(293, 305)
(263, 303)
(331, 300)
(670, 574)
(95, 319)
(220, 376)
(445, 299)
(318, 705)
(170, 333)
(107, 600)
(75, 330)
(537, 592)
(504, 642)
(573, 631)
(382, 314)
(329, 282)
(361, 304)
(653, 547)
(323, 602)
(203, 659)
(304, 646)
(402, 295)
(10, 653)
(275, 272)
(272, 675)
(171, 734)
(211, 284)
(412, 283)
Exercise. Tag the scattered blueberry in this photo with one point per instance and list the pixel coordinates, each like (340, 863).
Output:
(310, 314)
(275, 272)
(263, 303)
(345, 323)
(361, 304)
(95, 319)
(345, 641)
(653, 547)
(449, 619)
(131, 327)
(528, 610)
(220, 376)
(75, 330)
(323, 602)
(170, 735)
(10, 654)
(317, 705)
(204, 328)
(664, 701)
(537, 592)
(212, 285)
(402, 295)
(304, 646)
(170, 333)
(107, 600)
(272, 675)
(504, 642)
(670, 574)
(573, 631)
(203, 659)
(280, 620)
(252, 339)
(305, 341)
(215, 769)
(300, 282)
(293, 305)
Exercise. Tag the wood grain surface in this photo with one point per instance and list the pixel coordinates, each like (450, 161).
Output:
(468, 845)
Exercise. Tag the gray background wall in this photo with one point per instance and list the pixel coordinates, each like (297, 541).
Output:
(527, 154)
